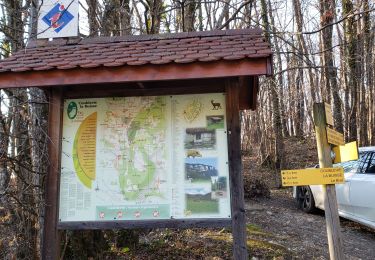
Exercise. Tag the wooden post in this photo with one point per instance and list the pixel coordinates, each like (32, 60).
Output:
(235, 171)
(330, 201)
(50, 248)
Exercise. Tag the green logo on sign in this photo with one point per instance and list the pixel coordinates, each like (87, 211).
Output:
(72, 110)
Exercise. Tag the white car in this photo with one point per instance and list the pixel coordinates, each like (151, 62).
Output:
(355, 197)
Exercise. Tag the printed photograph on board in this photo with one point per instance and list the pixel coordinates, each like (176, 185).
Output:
(200, 170)
(200, 138)
(219, 187)
(215, 122)
(191, 153)
(199, 201)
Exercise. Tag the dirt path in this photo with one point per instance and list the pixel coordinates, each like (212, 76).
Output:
(304, 235)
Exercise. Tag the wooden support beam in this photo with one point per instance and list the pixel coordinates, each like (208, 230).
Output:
(248, 92)
(246, 89)
(50, 246)
(330, 201)
(155, 88)
(255, 90)
(235, 170)
(102, 75)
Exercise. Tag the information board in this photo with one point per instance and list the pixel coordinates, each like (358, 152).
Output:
(142, 158)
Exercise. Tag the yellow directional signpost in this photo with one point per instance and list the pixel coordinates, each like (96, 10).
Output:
(345, 153)
(321, 119)
(325, 175)
(312, 176)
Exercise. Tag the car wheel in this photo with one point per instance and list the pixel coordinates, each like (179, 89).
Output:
(306, 199)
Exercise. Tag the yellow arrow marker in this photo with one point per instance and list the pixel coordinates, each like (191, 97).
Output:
(335, 137)
(312, 176)
(345, 153)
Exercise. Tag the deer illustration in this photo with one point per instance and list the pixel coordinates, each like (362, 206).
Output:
(215, 105)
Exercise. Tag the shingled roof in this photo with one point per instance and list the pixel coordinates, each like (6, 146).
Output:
(138, 58)
(139, 50)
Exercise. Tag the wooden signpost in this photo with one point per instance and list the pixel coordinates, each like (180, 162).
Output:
(325, 175)
(330, 202)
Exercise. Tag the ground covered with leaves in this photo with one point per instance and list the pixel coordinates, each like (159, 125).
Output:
(204, 244)
(304, 235)
(276, 229)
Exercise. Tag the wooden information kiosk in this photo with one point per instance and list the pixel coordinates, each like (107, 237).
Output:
(144, 130)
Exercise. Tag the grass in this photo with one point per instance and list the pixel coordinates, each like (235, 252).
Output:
(255, 230)
(200, 180)
(203, 244)
(259, 246)
(219, 125)
(202, 206)
(266, 249)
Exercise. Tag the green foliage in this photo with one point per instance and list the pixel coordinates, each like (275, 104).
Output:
(201, 206)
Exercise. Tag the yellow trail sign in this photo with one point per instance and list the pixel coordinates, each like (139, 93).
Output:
(335, 137)
(345, 153)
(312, 176)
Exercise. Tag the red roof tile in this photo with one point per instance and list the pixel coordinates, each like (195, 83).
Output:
(136, 50)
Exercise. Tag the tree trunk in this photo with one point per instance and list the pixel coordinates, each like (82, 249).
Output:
(369, 67)
(15, 26)
(302, 47)
(224, 14)
(125, 18)
(4, 170)
(276, 120)
(92, 15)
(280, 67)
(326, 18)
(37, 125)
(351, 42)
(155, 16)
(189, 15)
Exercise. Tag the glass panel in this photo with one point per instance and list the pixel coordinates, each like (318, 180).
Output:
(371, 164)
(353, 166)
(363, 162)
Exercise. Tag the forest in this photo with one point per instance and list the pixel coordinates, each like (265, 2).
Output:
(323, 50)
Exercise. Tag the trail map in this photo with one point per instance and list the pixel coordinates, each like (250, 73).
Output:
(130, 158)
